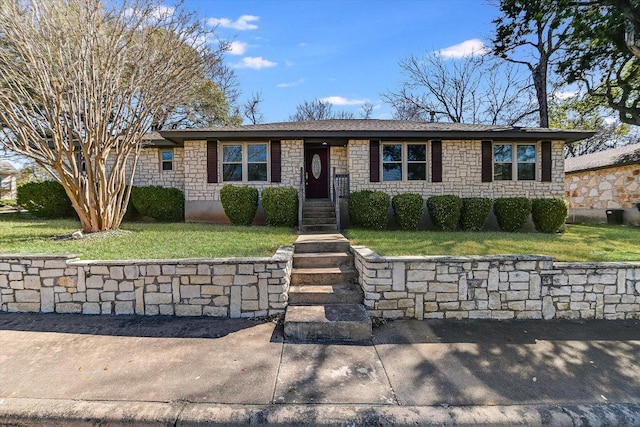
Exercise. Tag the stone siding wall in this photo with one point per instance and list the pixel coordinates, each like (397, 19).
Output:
(149, 169)
(497, 287)
(461, 174)
(247, 287)
(611, 188)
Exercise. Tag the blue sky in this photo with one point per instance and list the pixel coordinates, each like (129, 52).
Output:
(346, 51)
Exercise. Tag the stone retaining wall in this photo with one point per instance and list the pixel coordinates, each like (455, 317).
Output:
(233, 287)
(497, 287)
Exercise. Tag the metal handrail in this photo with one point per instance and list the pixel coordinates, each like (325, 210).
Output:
(336, 200)
(300, 198)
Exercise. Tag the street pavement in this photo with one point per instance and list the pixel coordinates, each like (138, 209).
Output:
(125, 370)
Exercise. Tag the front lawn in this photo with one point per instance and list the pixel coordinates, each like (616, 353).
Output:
(21, 234)
(577, 243)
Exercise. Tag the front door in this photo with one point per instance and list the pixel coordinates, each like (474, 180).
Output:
(316, 169)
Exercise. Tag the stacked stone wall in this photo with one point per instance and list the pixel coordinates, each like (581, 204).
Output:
(497, 287)
(612, 188)
(243, 287)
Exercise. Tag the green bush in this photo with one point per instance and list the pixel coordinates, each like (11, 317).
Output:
(475, 211)
(369, 209)
(159, 203)
(445, 211)
(549, 214)
(511, 212)
(407, 210)
(45, 199)
(132, 214)
(240, 203)
(280, 206)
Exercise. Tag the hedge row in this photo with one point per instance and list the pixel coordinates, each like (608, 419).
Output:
(280, 204)
(369, 209)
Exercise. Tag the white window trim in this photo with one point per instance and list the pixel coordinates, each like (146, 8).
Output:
(245, 160)
(404, 161)
(515, 162)
(162, 161)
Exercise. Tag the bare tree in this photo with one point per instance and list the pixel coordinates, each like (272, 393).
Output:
(317, 110)
(80, 83)
(367, 110)
(465, 90)
(251, 108)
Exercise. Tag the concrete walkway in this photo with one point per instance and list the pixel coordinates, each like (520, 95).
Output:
(85, 370)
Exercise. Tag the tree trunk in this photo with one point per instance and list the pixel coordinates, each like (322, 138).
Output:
(540, 83)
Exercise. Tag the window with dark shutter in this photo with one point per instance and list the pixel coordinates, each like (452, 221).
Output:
(212, 162)
(546, 161)
(487, 161)
(436, 161)
(374, 161)
(276, 166)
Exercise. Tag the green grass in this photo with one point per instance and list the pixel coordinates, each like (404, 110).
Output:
(20, 234)
(577, 243)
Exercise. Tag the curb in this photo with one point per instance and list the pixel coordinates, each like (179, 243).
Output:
(49, 412)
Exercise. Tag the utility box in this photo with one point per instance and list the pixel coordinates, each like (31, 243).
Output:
(615, 216)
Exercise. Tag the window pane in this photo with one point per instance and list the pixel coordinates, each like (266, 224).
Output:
(167, 166)
(392, 153)
(231, 153)
(167, 156)
(257, 153)
(417, 171)
(527, 153)
(526, 171)
(502, 153)
(392, 172)
(257, 171)
(416, 153)
(232, 172)
(502, 172)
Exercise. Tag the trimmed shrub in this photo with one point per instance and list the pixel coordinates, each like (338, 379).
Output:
(445, 211)
(132, 214)
(407, 210)
(280, 206)
(369, 209)
(45, 199)
(549, 214)
(159, 203)
(475, 211)
(240, 203)
(511, 212)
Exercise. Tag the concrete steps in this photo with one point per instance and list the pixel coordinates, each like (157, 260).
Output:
(325, 301)
(318, 216)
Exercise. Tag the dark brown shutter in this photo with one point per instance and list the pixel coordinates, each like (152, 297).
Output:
(374, 161)
(436, 161)
(487, 161)
(276, 165)
(212, 161)
(546, 161)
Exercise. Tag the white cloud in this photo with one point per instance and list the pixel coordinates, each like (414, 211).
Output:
(241, 24)
(565, 94)
(255, 62)
(471, 47)
(291, 84)
(237, 48)
(339, 100)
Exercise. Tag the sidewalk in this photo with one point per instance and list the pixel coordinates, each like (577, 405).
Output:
(85, 370)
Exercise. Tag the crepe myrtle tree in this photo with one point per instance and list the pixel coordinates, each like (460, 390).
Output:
(82, 80)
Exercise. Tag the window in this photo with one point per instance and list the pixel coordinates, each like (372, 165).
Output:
(166, 160)
(403, 161)
(514, 162)
(244, 162)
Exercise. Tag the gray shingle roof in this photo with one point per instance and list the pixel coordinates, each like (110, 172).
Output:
(629, 154)
(7, 168)
(372, 128)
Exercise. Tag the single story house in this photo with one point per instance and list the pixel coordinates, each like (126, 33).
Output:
(8, 175)
(604, 181)
(395, 156)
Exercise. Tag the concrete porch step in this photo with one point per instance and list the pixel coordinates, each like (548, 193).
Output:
(319, 220)
(322, 259)
(326, 228)
(343, 322)
(339, 293)
(323, 275)
(327, 242)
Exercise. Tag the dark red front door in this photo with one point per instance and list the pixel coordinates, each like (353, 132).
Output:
(316, 167)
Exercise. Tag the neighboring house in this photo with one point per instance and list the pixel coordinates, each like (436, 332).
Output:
(7, 181)
(389, 155)
(604, 181)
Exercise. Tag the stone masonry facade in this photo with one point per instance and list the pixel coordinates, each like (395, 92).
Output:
(496, 287)
(234, 287)
(612, 188)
